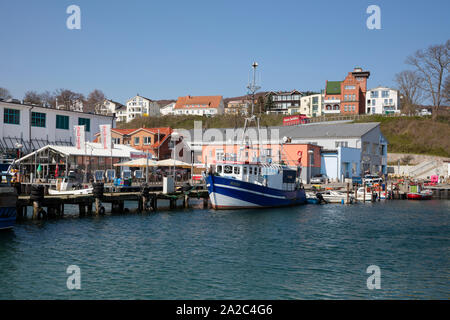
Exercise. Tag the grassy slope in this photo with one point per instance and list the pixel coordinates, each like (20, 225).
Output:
(418, 135)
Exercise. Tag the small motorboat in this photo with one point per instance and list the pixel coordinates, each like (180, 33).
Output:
(366, 196)
(69, 186)
(422, 195)
(336, 197)
(417, 193)
(8, 199)
(314, 198)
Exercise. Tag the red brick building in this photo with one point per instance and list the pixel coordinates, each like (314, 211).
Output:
(347, 96)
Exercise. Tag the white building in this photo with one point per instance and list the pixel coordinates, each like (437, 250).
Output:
(310, 106)
(139, 106)
(110, 107)
(77, 106)
(382, 100)
(167, 109)
(45, 126)
(366, 137)
(199, 105)
(282, 101)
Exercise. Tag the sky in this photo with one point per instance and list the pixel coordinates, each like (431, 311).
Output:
(166, 49)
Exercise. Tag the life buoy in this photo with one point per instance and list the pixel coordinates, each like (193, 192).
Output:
(300, 154)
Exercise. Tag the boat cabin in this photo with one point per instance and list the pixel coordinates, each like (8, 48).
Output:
(270, 175)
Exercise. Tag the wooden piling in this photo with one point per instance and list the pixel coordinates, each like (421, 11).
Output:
(186, 201)
(82, 210)
(348, 192)
(36, 209)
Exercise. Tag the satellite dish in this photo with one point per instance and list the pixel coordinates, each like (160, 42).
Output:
(285, 139)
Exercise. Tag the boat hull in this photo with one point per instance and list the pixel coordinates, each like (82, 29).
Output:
(8, 212)
(7, 218)
(226, 193)
(418, 196)
(71, 192)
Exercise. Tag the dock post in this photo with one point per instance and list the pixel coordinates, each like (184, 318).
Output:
(205, 203)
(89, 208)
(98, 195)
(145, 197)
(356, 193)
(364, 197)
(155, 202)
(82, 210)
(348, 193)
(186, 201)
(173, 203)
(37, 196)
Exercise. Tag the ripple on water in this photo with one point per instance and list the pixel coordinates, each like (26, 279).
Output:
(307, 252)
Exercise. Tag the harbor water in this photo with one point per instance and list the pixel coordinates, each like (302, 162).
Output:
(304, 252)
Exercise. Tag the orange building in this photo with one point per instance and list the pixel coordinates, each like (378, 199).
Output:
(288, 153)
(152, 140)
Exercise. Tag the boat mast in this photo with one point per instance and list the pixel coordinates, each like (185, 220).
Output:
(252, 89)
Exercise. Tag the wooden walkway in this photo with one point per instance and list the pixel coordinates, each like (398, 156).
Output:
(88, 204)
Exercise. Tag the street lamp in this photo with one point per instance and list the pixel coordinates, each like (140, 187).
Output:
(175, 137)
(311, 155)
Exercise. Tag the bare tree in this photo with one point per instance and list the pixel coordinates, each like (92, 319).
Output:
(32, 97)
(447, 90)
(408, 84)
(48, 99)
(4, 94)
(68, 98)
(94, 99)
(432, 65)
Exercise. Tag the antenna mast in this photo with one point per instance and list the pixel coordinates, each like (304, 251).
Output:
(252, 89)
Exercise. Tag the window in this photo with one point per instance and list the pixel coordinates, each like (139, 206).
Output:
(228, 169)
(116, 140)
(373, 102)
(219, 169)
(236, 170)
(136, 140)
(38, 119)
(349, 87)
(11, 116)
(62, 122)
(250, 170)
(374, 94)
(85, 122)
(244, 170)
(385, 94)
(147, 140)
(345, 108)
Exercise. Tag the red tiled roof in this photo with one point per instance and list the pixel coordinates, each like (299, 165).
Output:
(198, 102)
(123, 131)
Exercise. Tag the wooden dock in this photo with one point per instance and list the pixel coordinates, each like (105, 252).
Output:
(52, 206)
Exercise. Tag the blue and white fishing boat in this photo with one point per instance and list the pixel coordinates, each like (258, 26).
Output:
(8, 199)
(238, 182)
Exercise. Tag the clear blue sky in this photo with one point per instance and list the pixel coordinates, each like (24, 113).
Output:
(165, 49)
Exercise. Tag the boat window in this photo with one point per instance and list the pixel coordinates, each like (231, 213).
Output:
(250, 170)
(219, 169)
(259, 170)
(236, 170)
(244, 170)
(227, 169)
(255, 172)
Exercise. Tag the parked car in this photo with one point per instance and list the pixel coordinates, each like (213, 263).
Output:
(371, 179)
(319, 178)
